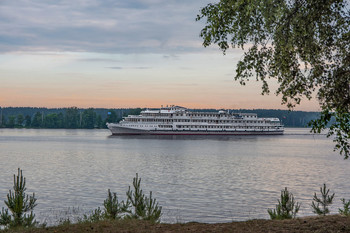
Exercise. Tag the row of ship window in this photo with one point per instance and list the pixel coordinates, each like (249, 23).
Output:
(223, 127)
(209, 126)
(190, 115)
(215, 115)
(188, 120)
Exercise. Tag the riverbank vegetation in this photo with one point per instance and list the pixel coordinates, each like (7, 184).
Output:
(286, 208)
(18, 203)
(329, 224)
(137, 206)
(141, 213)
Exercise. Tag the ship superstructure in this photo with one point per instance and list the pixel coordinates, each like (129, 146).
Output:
(176, 120)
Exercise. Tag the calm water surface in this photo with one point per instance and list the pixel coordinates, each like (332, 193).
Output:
(204, 179)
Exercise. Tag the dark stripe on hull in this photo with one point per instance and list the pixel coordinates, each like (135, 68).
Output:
(202, 134)
(125, 131)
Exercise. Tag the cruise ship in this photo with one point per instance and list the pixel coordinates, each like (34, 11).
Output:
(176, 120)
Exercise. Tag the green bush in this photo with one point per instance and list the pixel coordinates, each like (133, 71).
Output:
(113, 209)
(18, 203)
(346, 206)
(145, 208)
(137, 206)
(95, 216)
(286, 208)
(324, 201)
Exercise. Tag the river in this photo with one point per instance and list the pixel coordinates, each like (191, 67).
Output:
(203, 179)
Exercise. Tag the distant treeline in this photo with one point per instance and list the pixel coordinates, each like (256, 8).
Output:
(78, 118)
(61, 118)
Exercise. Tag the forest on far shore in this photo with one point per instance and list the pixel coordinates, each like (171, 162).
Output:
(90, 118)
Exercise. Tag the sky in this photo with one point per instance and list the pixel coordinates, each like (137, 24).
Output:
(116, 54)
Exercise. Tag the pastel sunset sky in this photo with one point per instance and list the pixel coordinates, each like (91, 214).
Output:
(118, 53)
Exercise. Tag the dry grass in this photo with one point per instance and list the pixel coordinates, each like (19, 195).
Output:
(333, 223)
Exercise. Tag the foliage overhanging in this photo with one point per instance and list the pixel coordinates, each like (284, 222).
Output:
(303, 44)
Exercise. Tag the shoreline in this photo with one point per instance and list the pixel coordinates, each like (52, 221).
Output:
(330, 223)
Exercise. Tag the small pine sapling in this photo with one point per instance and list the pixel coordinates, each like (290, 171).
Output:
(19, 204)
(286, 208)
(346, 210)
(144, 208)
(114, 208)
(136, 198)
(320, 205)
(153, 211)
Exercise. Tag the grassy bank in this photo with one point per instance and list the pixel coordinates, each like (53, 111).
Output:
(141, 213)
(332, 223)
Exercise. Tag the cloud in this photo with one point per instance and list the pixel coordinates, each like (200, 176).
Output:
(131, 68)
(98, 60)
(133, 26)
(171, 56)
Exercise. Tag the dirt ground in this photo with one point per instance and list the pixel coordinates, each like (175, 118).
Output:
(333, 223)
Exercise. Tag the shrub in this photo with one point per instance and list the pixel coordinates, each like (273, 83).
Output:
(324, 201)
(346, 210)
(19, 204)
(145, 208)
(95, 216)
(286, 208)
(113, 208)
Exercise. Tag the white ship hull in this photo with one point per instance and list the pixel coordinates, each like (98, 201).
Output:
(116, 129)
(176, 120)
